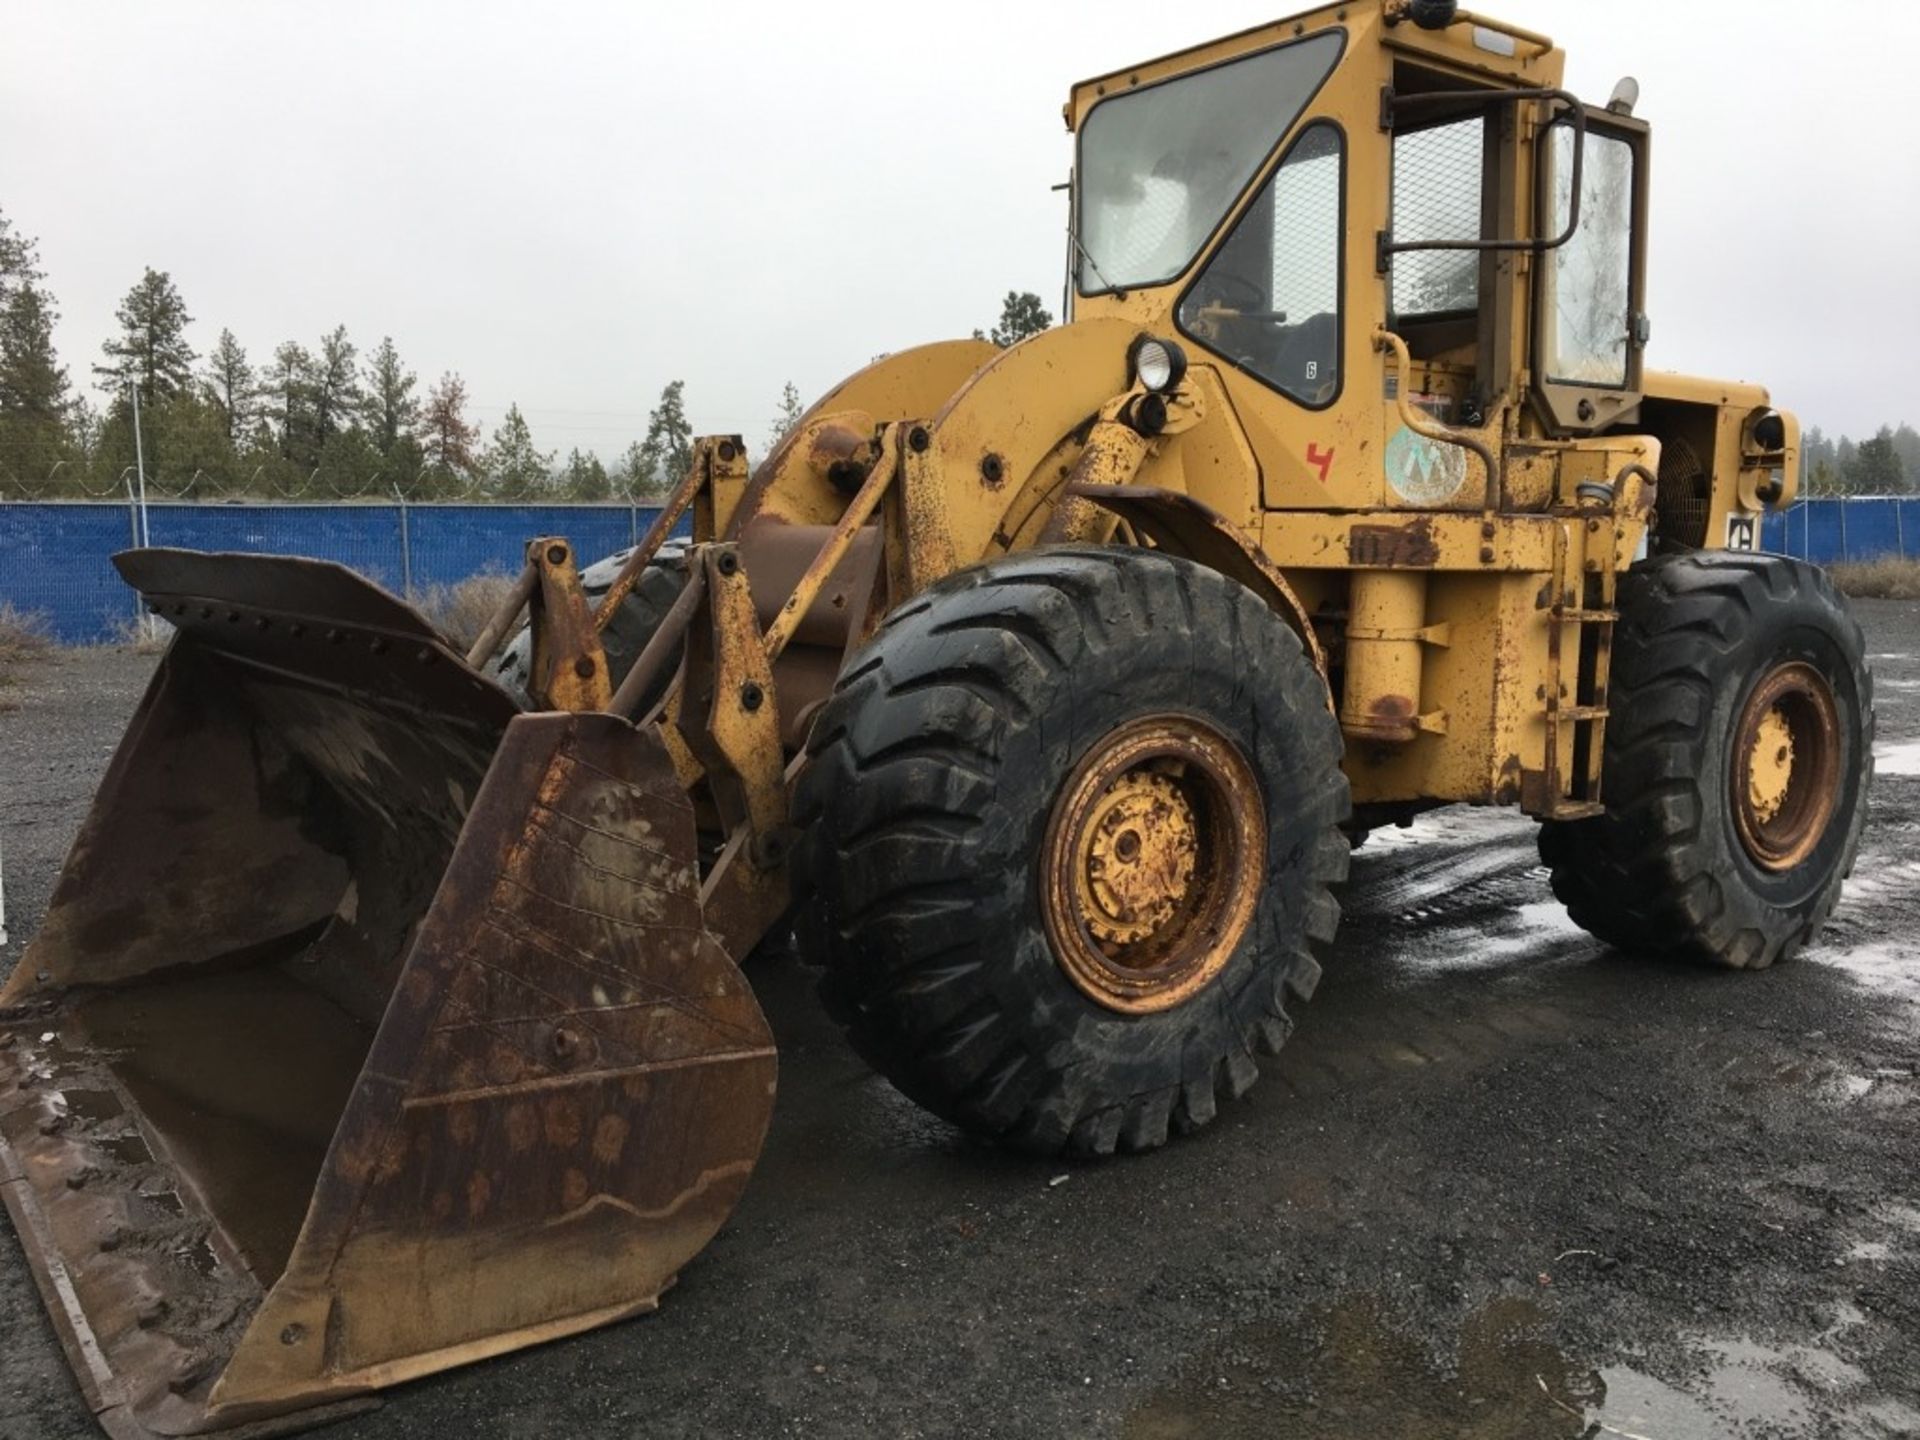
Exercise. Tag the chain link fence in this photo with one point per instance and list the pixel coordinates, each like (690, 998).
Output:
(67, 480)
(56, 556)
(1846, 529)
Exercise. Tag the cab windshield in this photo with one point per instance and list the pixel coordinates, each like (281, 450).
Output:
(1161, 166)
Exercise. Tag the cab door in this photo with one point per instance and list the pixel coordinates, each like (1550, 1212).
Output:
(1590, 324)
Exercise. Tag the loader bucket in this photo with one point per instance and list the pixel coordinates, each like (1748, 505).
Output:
(373, 1027)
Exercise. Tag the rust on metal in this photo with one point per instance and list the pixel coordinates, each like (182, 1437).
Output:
(569, 668)
(650, 543)
(840, 452)
(373, 1027)
(917, 519)
(707, 465)
(830, 555)
(661, 645)
(503, 619)
(1152, 863)
(1785, 776)
(1110, 460)
(1406, 546)
(728, 715)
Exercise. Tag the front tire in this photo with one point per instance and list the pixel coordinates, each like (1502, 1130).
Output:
(1739, 750)
(1072, 820)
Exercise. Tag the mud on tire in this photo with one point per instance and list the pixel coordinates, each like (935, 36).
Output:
(1665, 870)
(934, 770)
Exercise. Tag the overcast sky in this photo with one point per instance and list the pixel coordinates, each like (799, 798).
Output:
(573, 203)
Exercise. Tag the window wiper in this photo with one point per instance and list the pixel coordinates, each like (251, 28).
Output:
(1081, 250)
(1073, 239)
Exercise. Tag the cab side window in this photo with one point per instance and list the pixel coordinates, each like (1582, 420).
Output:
(1437, 173)
(1270, 299)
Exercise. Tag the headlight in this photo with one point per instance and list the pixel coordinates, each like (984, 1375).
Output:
(1768, 430)
(1158, 365)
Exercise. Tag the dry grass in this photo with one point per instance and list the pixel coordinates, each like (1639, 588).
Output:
(142, 634)
(462, 611)
(23, 640)
(1886, 579)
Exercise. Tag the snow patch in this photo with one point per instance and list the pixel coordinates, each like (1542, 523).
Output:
(1902, 758)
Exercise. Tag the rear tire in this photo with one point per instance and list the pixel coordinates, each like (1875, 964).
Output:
(1683, 864)
(939, 776)
(627, 633)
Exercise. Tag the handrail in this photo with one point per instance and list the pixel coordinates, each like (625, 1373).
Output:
(1422, 424)
(1538, 245)
(1542, 43)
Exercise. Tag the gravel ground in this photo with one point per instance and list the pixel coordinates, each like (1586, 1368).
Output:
(1497, 1161)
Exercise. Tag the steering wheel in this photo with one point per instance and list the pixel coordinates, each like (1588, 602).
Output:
(1246, 299)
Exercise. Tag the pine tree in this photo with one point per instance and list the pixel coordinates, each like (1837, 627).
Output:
(787, 416)
(636, 474)
(19, 260)
(668, 449)
(350, 465)
(1875, 467)
(151, 350)
(336, 385)
(391, 411)
(33, 385)
(230, 382)
(1906, 446)
(515, 469)
(1021, 315)
(447, 436)
(584, 477)
(288, 390)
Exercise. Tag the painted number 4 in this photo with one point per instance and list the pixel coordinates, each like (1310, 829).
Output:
(1743, 532)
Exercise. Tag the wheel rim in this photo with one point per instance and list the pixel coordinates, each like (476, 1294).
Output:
(1786, 766)
(1152, 863)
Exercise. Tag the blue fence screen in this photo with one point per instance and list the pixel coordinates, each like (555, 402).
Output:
(1835, 530)
(56, 556)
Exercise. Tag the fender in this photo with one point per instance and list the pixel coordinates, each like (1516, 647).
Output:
(1184, 526)
(906, 385)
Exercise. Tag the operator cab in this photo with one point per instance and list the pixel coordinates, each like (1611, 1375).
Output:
(1277, 201)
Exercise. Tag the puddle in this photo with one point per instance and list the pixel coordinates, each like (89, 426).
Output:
(1889, 969)
(1900, 758)
(1352, 1372)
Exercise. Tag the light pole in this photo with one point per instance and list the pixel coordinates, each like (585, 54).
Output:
(140, 467)
(406, 543)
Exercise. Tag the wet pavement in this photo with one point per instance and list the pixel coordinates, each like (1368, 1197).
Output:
(1502, 1183)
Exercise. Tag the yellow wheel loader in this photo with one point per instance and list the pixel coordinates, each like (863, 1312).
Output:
(388, 1012)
